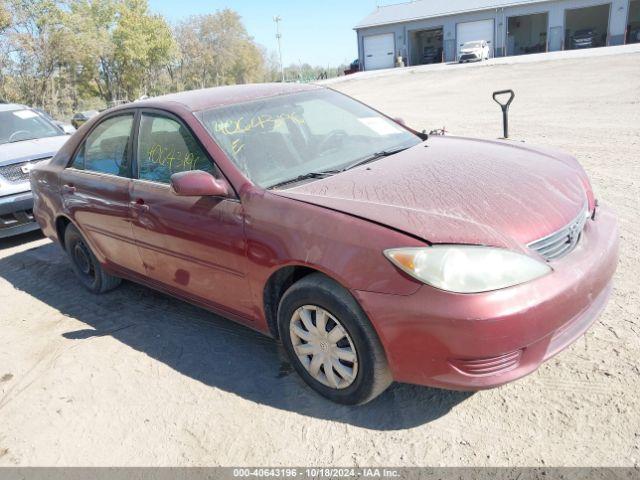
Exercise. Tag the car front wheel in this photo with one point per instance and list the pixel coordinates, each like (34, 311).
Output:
(330, 341)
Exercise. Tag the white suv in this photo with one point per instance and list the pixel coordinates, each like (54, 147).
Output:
(475, 51)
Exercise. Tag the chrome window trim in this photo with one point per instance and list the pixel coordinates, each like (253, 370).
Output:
(97, 174)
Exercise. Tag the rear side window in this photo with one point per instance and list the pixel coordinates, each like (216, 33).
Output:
(165, 147)
(106, 148)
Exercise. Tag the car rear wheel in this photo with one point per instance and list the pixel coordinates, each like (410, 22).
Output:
(85, 264)
(330, 341)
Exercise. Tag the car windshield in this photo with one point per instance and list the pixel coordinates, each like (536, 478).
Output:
(25, 124)
(473, 45)
(281, 138)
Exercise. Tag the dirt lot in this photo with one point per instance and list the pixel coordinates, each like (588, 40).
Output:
(138, 378)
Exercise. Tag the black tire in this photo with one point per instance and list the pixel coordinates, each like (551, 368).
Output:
(85, 264)
(373, 375)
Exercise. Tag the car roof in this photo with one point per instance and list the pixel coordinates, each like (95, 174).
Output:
(9, 107)
(208, 98)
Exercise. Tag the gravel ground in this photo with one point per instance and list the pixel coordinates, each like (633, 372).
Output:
(137, 378)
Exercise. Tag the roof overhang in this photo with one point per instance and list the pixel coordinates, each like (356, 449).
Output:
(424, 9)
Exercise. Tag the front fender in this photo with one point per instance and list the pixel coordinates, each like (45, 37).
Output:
(283, 232)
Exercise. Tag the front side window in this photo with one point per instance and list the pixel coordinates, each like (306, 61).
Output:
(165, 147)
(106, 148)
(280, 138)
(25, 124)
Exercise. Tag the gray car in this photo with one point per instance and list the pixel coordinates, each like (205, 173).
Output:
(27, 138)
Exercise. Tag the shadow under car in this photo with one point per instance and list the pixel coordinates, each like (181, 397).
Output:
(207, 347)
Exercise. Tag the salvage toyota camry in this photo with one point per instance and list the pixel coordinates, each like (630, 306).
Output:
(372, 252)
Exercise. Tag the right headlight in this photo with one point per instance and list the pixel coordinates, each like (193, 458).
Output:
(467, 268)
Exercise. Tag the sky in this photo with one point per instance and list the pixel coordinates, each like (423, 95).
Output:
(318, 32)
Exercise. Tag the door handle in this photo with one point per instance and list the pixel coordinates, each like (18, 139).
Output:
(139, 206)
(68, 189)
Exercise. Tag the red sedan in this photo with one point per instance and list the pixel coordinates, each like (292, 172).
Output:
(372, 252)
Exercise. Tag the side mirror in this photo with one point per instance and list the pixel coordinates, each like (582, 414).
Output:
(66, 128)
(69, 129)
(196, 183)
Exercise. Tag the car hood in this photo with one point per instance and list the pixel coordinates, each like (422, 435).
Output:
(471, 50)
(18, 152)
(456, 190)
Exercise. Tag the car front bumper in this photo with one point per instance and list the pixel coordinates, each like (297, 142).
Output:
(477, 341)
(16, 214)
(469, 57)
(583, 44)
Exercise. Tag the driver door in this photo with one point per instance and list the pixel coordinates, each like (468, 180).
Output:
(191, 245)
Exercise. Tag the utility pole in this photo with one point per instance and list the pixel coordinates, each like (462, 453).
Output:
(277, 19)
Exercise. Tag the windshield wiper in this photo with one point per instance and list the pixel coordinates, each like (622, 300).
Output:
(373, 157)
(306, 176)
(326, 173)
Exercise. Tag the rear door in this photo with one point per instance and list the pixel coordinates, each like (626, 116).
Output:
(95, 191)
(193, 245)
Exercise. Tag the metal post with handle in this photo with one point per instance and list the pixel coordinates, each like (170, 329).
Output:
(505, 108)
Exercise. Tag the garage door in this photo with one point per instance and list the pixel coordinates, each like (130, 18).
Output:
(471, 31)
(378, 51)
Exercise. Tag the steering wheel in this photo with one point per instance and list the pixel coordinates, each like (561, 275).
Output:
(17, 133)
(335, 136)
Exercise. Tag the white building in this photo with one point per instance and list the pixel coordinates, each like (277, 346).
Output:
(425, 31)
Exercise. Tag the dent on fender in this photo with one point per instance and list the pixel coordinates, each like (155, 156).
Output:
(279, 235)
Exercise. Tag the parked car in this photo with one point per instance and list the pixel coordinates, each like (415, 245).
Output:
(66, 127)
(373, 253)
(431, 55)
(633, 33)
(353, 68)
(475, 51)
(81, 118)
(27, 138)
(586, 38)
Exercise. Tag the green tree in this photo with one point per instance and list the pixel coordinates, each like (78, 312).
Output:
(39, 46)
(5, 18)
(5, 22)
(216, 49)
(123, 47)
(142, 45)
(92, 23)
(65, 55)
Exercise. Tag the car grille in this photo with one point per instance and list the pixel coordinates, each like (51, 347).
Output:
(563, 241)
(16, 173)
(468, 56)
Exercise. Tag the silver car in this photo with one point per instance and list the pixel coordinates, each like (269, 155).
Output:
(475, 51)
(26, 138)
